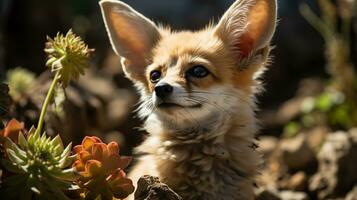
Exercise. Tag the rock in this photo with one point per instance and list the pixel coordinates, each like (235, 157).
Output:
(267, 194)
(74, 97)
(316, 137)
(96, 85)
(337, 172)
(291, 195)
(112, 64)
(273, 194)
(297, 182)
(352, 195)
(274, 169)
(310, 87)
(288, 110)
(296, 153)
(150, 188)
(267, 144)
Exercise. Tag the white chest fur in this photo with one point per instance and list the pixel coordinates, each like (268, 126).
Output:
(214, 162)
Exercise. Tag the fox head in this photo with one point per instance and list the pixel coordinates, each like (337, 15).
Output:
(188, 77)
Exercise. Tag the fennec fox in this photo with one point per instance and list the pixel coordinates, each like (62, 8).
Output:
(197, 96)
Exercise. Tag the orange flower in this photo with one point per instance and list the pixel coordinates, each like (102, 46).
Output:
(101, 166)
(12, 130)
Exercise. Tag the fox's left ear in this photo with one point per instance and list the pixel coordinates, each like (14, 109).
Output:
(248, 26)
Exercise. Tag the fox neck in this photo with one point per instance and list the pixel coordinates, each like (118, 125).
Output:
(206, 153)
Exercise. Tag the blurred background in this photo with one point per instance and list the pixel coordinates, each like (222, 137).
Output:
(309, 101)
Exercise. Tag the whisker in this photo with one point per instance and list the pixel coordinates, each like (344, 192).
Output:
(226, 94)
(212, 93)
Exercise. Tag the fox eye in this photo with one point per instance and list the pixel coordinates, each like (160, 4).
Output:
(155, 76)
(198, 71)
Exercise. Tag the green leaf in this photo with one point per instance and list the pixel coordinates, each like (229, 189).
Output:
(58, 150)
(68, 175)
(35, 185)
(19, 152)
(22, 141)
(66, 152)
(66, 161)
(32, 130)
(32, 135)
(9, 166)
(9, 143)
(47, 140)
(57, 186)
(57, 141)
(42, 139)
(14, 158)
(57, 183)
(16, 180)
(25, 193)
(36, 136)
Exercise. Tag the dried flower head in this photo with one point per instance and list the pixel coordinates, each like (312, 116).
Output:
(68, 56)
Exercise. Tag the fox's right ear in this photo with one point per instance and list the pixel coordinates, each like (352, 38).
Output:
(131, 34)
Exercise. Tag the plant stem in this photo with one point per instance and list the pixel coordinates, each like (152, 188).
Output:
(49, 96)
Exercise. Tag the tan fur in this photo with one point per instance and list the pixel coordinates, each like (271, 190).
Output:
(203, 152)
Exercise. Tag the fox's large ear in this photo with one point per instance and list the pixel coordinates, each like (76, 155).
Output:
(248, 26)
(131, 34)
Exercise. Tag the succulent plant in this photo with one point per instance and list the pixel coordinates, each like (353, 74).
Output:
(40, 167)
(68, 55)
(101, 169)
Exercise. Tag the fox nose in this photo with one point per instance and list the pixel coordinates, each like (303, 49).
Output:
(163, 90)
